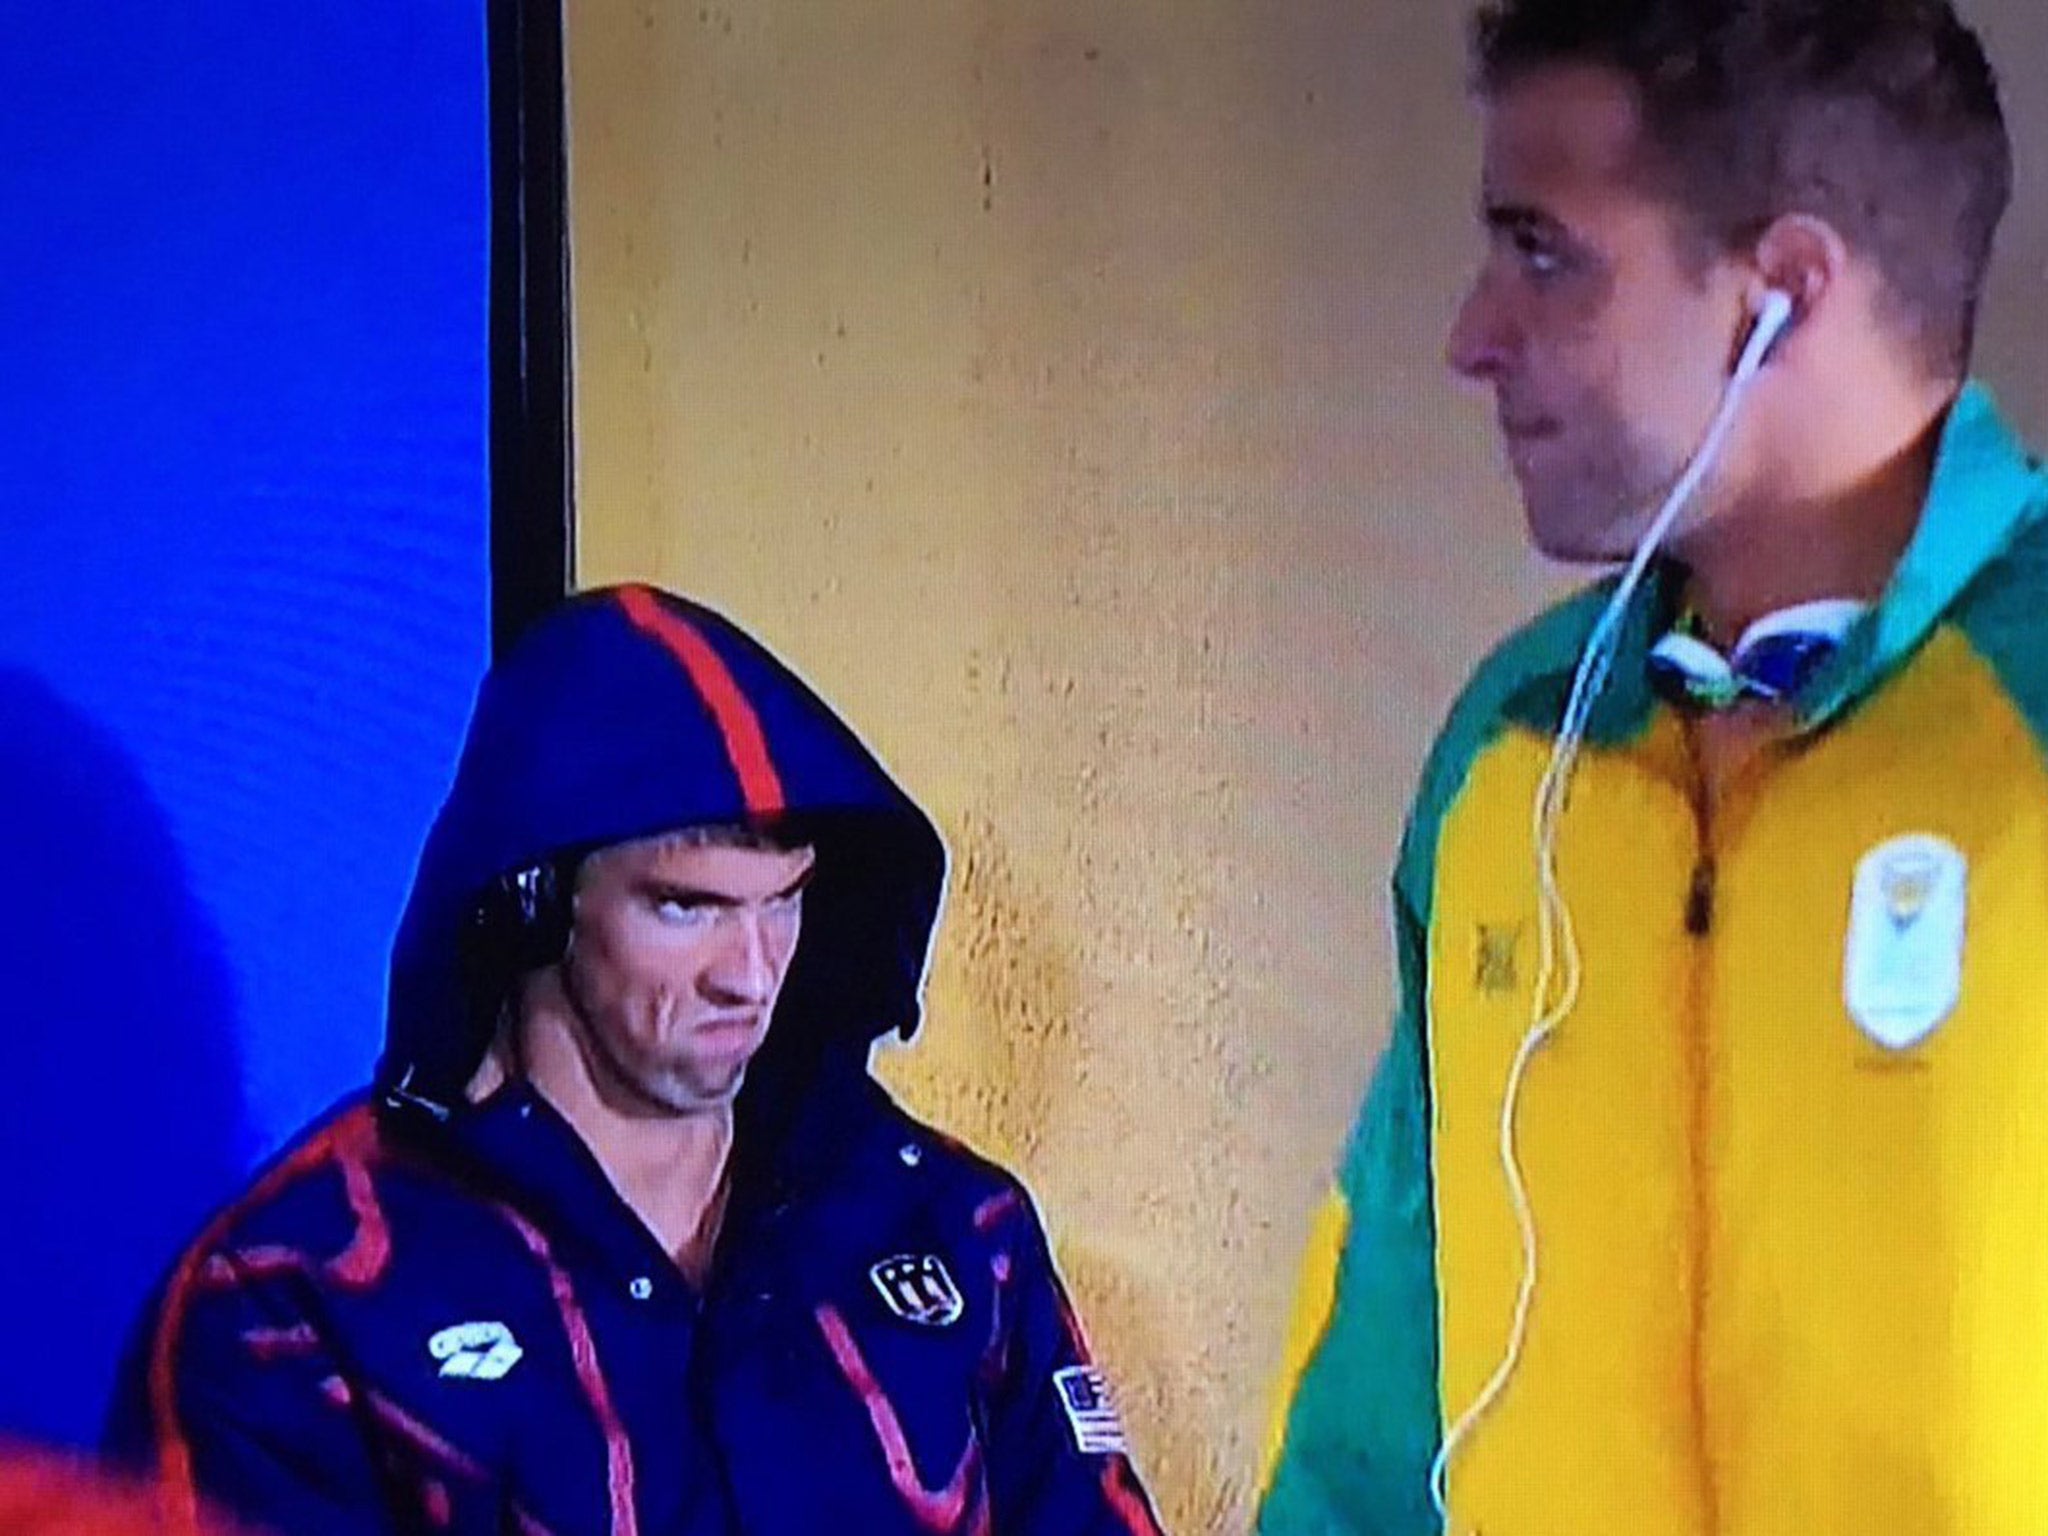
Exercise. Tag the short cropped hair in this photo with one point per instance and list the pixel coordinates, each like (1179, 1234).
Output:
(1881, 117)
(737, 834)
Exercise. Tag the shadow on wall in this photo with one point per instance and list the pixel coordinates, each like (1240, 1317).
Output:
(121, 1110)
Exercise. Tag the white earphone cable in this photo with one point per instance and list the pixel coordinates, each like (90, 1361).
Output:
(1557, 941)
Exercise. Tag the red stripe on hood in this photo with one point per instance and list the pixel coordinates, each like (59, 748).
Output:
(745, 745)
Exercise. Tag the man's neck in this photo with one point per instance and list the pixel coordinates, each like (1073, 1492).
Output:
(1835, 522)
(670, 1168)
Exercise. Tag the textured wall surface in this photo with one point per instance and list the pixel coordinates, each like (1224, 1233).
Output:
(1057, 384)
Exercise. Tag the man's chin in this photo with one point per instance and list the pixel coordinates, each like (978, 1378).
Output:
(684, 1094)
(720, 1091)
(1572, 534)
(1578, 547)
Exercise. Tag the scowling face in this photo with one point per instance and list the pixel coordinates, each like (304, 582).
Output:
(677, 955)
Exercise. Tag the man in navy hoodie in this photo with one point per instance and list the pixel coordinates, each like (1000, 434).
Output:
(624, 1239)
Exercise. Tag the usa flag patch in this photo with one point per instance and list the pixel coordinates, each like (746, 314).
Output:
(1091, 1411)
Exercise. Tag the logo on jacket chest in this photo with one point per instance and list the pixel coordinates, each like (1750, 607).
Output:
(475, 1351)
(1495, 970)
(918, 1289)
(1902, 974)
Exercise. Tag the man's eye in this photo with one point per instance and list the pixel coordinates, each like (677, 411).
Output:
(1537, 256)
(673, 909)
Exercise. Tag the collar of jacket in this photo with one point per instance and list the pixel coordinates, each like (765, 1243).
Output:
(798, 1138)
(1986, 490)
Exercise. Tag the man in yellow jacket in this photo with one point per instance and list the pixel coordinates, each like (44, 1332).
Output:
(1754, 1240)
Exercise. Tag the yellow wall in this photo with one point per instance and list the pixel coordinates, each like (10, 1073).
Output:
(1056, 382)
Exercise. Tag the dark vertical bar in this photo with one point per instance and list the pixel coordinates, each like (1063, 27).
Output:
(532, 512)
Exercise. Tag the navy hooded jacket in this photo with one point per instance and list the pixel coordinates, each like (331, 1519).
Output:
(432, 1315)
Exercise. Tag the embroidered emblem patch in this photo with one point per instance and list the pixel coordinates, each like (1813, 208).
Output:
(1902, 974)
(1494, 969)
(1091, 1411)
(918, 1290)
(475, 1351)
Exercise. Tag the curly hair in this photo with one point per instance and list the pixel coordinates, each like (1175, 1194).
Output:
(1881, 117)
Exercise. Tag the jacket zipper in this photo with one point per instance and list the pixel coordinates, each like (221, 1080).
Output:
(1699, 927)
(1699, 896)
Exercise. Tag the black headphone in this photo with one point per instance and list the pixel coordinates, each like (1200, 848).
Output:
(520, 923)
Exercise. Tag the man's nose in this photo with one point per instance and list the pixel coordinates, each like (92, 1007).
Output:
(1480, 339)
(743, 969)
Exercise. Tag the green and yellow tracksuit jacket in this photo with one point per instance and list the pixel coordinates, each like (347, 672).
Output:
(1788, 1154)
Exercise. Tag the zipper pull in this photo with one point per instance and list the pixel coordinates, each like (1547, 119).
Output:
(1699, 898)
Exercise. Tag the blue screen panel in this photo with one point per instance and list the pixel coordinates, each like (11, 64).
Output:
(243, 602)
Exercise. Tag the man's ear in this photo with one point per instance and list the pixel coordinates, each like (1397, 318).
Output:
(1803, 257)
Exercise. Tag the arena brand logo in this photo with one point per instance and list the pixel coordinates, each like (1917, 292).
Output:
(475, 1351)
(918, 1290)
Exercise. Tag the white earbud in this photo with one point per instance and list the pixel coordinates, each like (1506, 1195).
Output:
(1772, 317)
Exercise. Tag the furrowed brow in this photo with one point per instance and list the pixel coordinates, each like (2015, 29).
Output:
(1518, 218)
